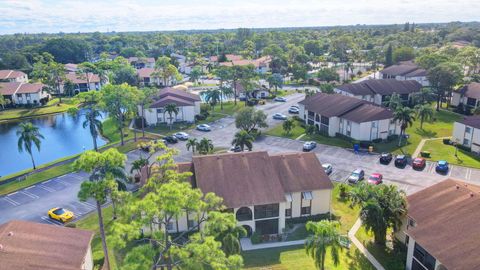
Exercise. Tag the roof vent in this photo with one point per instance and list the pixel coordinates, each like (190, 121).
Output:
(471, 194)
(1, 247)
(457, 186)
(10, 233)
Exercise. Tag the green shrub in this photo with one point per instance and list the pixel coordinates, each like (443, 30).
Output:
(447, 141)
(391, 138)
(305, 219)
(464, 148)
(256, 238)
(377, 140)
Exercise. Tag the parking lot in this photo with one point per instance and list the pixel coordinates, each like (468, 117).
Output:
(32, 203)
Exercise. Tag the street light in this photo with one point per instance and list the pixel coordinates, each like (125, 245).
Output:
(456, 142)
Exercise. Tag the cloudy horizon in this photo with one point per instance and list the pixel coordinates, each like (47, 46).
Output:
(49, 16)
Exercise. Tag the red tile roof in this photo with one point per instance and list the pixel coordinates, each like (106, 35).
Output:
(31, 246)
(176, 96)
(145, 72)
(10, 74)
(11, 88)
(81, 78)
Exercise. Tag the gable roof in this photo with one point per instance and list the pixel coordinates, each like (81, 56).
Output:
(176, 96)
(473, 121)
(145, 72)
(81, 78)
(256, 178)
(350, 108)
(447, 212)
(29, 246)
(471, 90)
(141, 59)
(10, 74)
(11, 88)
(381, 87)
(407, 69)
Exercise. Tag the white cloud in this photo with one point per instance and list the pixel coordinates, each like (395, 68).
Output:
(145, 15)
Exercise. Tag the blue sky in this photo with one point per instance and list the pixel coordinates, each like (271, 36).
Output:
(33, 16)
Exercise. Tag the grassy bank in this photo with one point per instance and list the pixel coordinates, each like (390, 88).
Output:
(52, 107)
(440, 151)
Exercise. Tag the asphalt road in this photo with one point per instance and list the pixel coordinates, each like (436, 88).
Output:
(33, 202)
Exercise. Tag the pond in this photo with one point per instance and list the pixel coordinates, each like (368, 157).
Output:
(64, 136)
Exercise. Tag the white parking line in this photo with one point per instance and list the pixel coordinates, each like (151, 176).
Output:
(29, 187)
(47, 188)
(12, 202)
(47, 181)
(47, 219)
(61, 176)
(88, 205)
(468, 174)
(450, 171)
(12, 193)
(63, 182)
(33, 196)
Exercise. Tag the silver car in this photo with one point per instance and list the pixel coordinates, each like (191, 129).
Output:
(279, 116)
(328, 168)
(181, 136)
(203, 127)
(356, 176)
(308, 146)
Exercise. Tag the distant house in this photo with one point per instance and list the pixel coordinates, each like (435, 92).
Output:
(467, 132)
(358, 119)
(229, 57)
(142, 62)
(32, 246)
(13, 76)
(441, 230)
(468, 95)
(20, 93)
(379, 91)
(261, 190)
(187, 103)
(258, 92)
(80, 82)
(406, 71)
(262, 64)
(183, 66)
(71, 67)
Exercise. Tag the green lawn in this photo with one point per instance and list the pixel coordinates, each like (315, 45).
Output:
(391, 257)
(52, 107)
(440, 151)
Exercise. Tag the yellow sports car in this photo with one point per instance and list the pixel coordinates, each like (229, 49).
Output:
(60, 214)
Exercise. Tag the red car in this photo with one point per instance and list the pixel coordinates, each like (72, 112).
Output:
(419, 163)
(375, 178)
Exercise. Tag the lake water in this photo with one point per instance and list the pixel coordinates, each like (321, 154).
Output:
(64, 136)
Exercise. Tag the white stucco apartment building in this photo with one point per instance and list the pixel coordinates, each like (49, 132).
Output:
(468, 95)
(263, 191)
(20, 93)
(13, 76)
(467, 132)
(406, 71)
(187, 103)
(358, 119)
(441, 230)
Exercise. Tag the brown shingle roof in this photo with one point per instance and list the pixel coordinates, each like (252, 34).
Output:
(177, 96)
(20, 88)
(471, 90)
(350, 108)
(141, 59)
(446, 216)
(10, 74)
(145, 72)
(382, 87)
(81, 78)
(255, 178)
(169, 91)
(172, 99)
(8, 89)
(473, 121)
(399, 70)
(300, 172)
(31, 246)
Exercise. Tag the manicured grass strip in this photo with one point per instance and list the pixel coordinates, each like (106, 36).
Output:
(440, 151)
(51, 108)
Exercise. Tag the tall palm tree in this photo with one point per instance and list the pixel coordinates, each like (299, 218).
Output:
(226, 92)
(275, 80)
(213, 97)
(424, 112)
(325, 236)
(404, 115)
(171, 109)
(28, 134)
(288, 125)
(242, 139)
(94, 125)
(138, 164)
(205, 146)
(192, 143)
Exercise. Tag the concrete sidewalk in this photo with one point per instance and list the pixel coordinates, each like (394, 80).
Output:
(247, 244)
(361, 248)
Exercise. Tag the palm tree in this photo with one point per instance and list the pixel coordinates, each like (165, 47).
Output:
(213, 97)
(205, 146)
(382, 207)
(93, 124)
(171, 109)
(424, 112)
(393, 102)
(404, 115)
(28, 134)
(325, 236)
(226, 92)
(242, 139)
(424, 96)
(288, 125)
(192, 144)
(230, 240)
(275, 80)
(138, 164)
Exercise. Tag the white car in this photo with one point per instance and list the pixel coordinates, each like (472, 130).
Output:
(328, 168)
(308, 146)
(279, 116)
(204, 127)
(181, 136)
(280, 99)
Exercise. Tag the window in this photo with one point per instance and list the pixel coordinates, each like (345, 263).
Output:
(269, 226)
(191, 223)
(374, 124)
(423, 257)
(411, 222)
(160, 110)
(266, 211)
(170, 226)
(466, 142)
(288, 212)
(468, 129)
(244, 213)
(325, 120)
(317, 118)
(288, 197)
(306, 210)
(307, 195)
